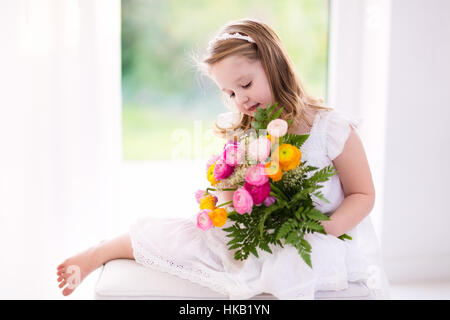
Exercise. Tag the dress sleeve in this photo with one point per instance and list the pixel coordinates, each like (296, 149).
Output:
(338, 130)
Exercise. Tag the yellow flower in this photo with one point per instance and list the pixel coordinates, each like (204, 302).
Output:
(273, 170)
(288, 156)
(210, 174)
(207, 202)
(218, 217)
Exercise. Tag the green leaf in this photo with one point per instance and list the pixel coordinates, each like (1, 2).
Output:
(312, 225)
(315, 214)
(253, 251)
(345, 237)
(323, 174)
(271, 109)
(234, 246)
(306, 257)
(292, 237)
(265, 247)
(319, 195)
(298, 213)
(305, 244)
(256, 125)
(310, 168)
(295, 139)
(239, 255)
(260, 116)
(276, 114)
(301, 195)
(284, 229)
(235, 240)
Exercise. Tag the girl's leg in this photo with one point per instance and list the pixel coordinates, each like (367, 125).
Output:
(74, 269)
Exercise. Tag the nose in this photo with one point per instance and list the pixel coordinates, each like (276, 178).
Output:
(241, 98)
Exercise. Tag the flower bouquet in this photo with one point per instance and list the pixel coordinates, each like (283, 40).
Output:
(272, 189)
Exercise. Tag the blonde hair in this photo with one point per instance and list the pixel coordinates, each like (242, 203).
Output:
(285, 85)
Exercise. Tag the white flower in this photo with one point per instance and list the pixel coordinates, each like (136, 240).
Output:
(228, 120)
(277, 128)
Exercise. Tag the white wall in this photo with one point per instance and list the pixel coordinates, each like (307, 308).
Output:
(389, 65)
(416, 209)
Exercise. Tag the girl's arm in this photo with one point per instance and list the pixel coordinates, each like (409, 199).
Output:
(354, 173)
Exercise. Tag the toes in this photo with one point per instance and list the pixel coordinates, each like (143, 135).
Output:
(62, 265)
(67, 291)
(68, 275)
(63, 283)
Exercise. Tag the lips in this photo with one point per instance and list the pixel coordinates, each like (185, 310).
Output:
(253, 108)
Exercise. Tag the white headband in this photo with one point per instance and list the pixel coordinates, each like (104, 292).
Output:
(226, 36)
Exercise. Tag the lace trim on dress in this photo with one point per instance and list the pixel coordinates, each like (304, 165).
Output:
(159, 263)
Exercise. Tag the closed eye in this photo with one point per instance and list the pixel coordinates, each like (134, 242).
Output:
(247, 85)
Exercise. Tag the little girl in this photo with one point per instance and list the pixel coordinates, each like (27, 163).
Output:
(250, 65)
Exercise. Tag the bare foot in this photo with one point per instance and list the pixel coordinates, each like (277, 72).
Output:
(74, 269)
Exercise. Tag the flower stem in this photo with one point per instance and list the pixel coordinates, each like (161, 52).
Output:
(225, 203)
(279, 192)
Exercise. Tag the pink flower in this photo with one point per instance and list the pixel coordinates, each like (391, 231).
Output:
(233, 155)
(203, 220)
(256, 175)
(222, 170)
(277, 128)
(211, 161)
(242, 201)
(259, 149)
(199, 194)
(270, 200)
(258, 193)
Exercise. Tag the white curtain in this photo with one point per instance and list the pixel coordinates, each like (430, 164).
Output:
(60, 136)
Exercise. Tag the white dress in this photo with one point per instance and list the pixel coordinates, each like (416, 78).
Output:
(177, 246)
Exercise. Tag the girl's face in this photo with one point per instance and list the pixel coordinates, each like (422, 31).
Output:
(244, 82)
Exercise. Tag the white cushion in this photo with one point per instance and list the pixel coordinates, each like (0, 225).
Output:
(125, 279)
